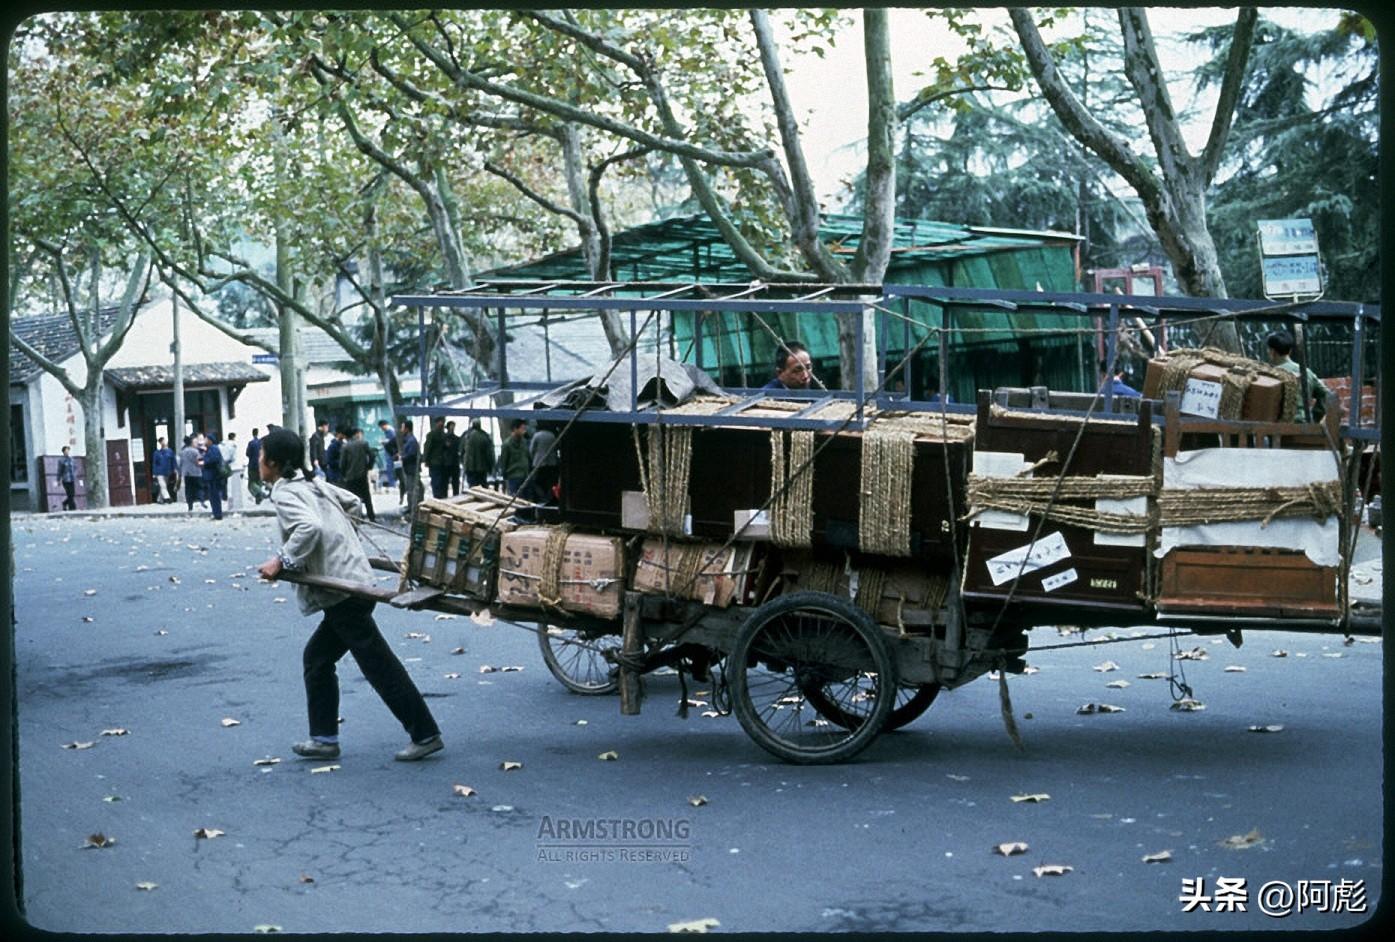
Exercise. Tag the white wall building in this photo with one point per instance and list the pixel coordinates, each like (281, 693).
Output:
(229, 386)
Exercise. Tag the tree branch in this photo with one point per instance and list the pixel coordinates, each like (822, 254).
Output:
(1150, 85)
(233, 332)
(456, 111)
(593, 189)
(535, 196)
(879, 219)
(131, 300)
(922, 101)
(1237, 61)
(47, 365)
(1080, 123)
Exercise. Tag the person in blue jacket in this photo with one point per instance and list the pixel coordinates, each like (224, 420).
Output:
(793, 367)
(162, 469)
(213, 475)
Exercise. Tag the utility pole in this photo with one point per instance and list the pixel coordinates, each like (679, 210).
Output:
(176, 435)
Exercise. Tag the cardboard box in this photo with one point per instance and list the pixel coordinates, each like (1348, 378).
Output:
(591, 579)
(1264, 398)
(721, 573)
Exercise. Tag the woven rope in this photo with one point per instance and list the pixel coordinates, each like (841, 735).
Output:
(1034, 496)
(666, 485)
(871, 581)
(792, 497)
(820, 577)
(1181, 508)
(884, 505)
(550, 579)
(1240, 373)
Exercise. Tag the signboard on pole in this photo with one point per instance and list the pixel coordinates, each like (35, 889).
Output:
(1288, 255)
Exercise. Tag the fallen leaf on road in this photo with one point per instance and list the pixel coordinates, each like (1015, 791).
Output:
(510, 766)
(487, 669)
(956, 778)
(1335, 654)
(453, 675)
(229, 721)
(207, 834)
(1279, 654)
(87, 619)
(1274, 728)
(146, 885)
(89, 592)
(483, 618)
(1052, 870)
(446, 617)
(1011, 848)
(580, 722)
(110, 798)
(1042, 796)
(1188, 705)
(697, 801)
(210, 581)
(460, 650)
(279, 600)
(1234, 669)
(697, 925)
(269, 760)
(1099, 708)
(98, 841)
(1156, 675)
(1195, 654)
(710, 713)
(464, 791)
(610, 756)
(1031, 670)
(511, 669)
(1243, 841)
(265, 928)
(1162, 856)
(79, 745)
(415, 635)
(115, 731)
(1106, 667)
(502, 809)
(162, 632)
(1117, 684)
(306, 878)
(697, 703)
(325, 768)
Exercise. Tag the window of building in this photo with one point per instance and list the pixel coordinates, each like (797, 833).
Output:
(19, 455)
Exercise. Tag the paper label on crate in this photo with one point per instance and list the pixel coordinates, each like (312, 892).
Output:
(1054, 582)
(1002, 520)
(1000, 464)
(1135, 506)
(1047, 550)
(1201, 397)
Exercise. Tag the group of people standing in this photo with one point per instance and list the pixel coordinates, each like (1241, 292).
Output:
(204, 466)
(447, 454)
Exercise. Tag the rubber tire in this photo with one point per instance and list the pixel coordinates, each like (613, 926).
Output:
(901, 715)
(867, 630)
(565, 679)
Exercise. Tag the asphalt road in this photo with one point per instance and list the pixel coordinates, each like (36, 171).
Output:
(899, 840)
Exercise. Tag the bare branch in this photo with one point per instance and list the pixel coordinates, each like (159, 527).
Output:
(569, 27)
(535, 196)
(47, 365)
(233, 332)
(1237, 60)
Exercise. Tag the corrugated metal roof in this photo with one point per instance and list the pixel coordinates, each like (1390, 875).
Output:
(691, 248)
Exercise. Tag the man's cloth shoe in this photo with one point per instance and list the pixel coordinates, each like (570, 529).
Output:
(420, 750)
(310, 749)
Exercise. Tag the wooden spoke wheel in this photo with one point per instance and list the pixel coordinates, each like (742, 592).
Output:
(575, 659)
(809, 645)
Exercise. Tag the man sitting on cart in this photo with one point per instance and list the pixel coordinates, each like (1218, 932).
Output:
(793, 367)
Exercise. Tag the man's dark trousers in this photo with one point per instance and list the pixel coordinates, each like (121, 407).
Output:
(360, 489)
(348, 627)
(439, 476)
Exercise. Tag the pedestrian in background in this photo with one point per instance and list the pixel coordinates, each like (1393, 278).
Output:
(332, 474)
(67, 476)
(317, 448)
(452, 459)
(191, 472)
(232, 454)
(213, 475)
(513, 457)
(228, 450)
(411, 466)
(478, 447)
(355, 460)
(316, 523)
(162, 466)
(389, 476)
(542, 453)
(433, 451)
(254, 474)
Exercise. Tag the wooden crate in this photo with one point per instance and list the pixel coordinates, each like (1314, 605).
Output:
(454, 544)
(1247, 581)
(1091, 571)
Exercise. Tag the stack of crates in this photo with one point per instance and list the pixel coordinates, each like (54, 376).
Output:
(454, 544)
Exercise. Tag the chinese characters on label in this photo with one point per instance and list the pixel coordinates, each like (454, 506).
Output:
(1275, 898)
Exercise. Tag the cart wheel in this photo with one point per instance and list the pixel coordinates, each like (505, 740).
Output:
(911, 701)
(575, 659)
(811, 643)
